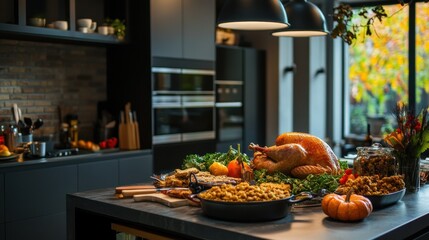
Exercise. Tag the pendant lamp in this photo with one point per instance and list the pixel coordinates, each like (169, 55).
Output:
(305, 18)
(253, 15)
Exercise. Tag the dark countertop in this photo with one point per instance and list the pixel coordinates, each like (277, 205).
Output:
(407, 217)
(102, 155)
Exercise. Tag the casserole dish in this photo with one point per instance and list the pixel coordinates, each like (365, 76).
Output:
(254, 211)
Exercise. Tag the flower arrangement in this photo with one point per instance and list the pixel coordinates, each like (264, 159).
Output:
(411, 137)
(409, 141)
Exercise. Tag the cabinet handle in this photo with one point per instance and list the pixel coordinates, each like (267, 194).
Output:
(289, 69)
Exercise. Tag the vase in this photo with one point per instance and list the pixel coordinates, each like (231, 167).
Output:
(409, 168)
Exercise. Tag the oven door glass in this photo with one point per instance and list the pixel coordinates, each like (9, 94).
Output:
(183, 124)
(170, 80)
(197, 119)
(168, 120)
(229, 123)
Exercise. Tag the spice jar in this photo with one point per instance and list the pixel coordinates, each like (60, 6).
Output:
(375, 160)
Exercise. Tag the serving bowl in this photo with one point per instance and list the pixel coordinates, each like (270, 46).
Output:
(381, 201)
(254, 211)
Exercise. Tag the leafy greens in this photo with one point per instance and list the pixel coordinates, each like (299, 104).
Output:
(203, 163)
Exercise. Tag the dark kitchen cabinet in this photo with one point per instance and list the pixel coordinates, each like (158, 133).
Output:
(2, 232)
(32, 201)
(1, 199)
(35, 203)
(183, 29)
(246, 65)
(135, 169)
(254, 98)
(199, 25)
(166, 28)
(26, 192)
(95, 175)
(229, 64)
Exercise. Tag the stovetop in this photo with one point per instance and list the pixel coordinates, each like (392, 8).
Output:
(62, 152)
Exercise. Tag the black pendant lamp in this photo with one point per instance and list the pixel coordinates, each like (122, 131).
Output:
(305, 18)
(253, 15)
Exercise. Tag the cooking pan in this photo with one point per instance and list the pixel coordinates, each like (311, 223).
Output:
(256, 211)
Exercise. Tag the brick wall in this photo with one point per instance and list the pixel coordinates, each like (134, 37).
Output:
(41, 77)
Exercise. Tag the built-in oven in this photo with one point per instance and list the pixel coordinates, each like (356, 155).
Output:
(183, 104)
(182, 81)
(229, 111)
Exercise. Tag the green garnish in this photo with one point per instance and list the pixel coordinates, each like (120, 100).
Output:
(312, 183)
(203, 163)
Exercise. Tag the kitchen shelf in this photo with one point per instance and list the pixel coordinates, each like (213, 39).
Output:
(16, 13)
(50, 33)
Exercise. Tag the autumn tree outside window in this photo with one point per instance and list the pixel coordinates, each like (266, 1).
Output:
(377, 73)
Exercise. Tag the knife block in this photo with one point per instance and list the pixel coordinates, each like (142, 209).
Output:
(128, 130)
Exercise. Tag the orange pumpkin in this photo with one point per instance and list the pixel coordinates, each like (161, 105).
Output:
(350, 207)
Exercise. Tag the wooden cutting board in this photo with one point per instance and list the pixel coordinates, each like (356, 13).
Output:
(161, 198)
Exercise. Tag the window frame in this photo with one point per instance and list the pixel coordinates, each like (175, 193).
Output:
(411, 60)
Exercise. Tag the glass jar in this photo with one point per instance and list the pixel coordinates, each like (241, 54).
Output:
(375, 160)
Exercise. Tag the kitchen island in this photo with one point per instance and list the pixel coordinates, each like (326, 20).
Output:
(91, 214)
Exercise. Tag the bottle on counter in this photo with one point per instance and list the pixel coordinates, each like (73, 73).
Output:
(2, 132)
(74, 132)
(368, 138)
(65, 136)
(11, 137)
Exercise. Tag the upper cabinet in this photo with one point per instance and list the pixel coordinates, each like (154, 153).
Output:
(61, 20)
(183, 29)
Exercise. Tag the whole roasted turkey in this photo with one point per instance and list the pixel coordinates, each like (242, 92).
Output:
(296, 154)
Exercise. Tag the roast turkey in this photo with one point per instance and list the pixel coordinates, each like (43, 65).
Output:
(296, 154)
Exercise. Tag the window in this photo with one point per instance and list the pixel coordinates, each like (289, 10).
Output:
(377, 70)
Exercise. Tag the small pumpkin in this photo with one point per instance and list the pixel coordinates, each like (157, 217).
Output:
(350, 207)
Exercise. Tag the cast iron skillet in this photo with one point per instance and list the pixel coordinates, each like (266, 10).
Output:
(249, 211)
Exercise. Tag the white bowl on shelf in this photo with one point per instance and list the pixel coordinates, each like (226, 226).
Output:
(62, 25)
(103, 30)
(84, 22)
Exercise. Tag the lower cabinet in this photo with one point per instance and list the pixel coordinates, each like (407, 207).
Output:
(2, 233)
(38, 192)
(135, 170)
(95, 175)
(1, 201)
(33, 201)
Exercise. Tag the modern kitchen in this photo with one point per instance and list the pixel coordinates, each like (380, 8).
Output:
(213, 119)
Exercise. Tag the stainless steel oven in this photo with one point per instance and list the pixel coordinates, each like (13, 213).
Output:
(229, 110)
(182, 81)
(183, 103)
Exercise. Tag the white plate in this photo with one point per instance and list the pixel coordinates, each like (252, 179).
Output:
(13, 156)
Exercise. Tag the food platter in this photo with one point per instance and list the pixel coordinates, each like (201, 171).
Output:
(256, 211)
(385, 200)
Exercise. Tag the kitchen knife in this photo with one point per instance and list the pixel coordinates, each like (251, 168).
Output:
(136, 129)
(122, 138)
(15, 112)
